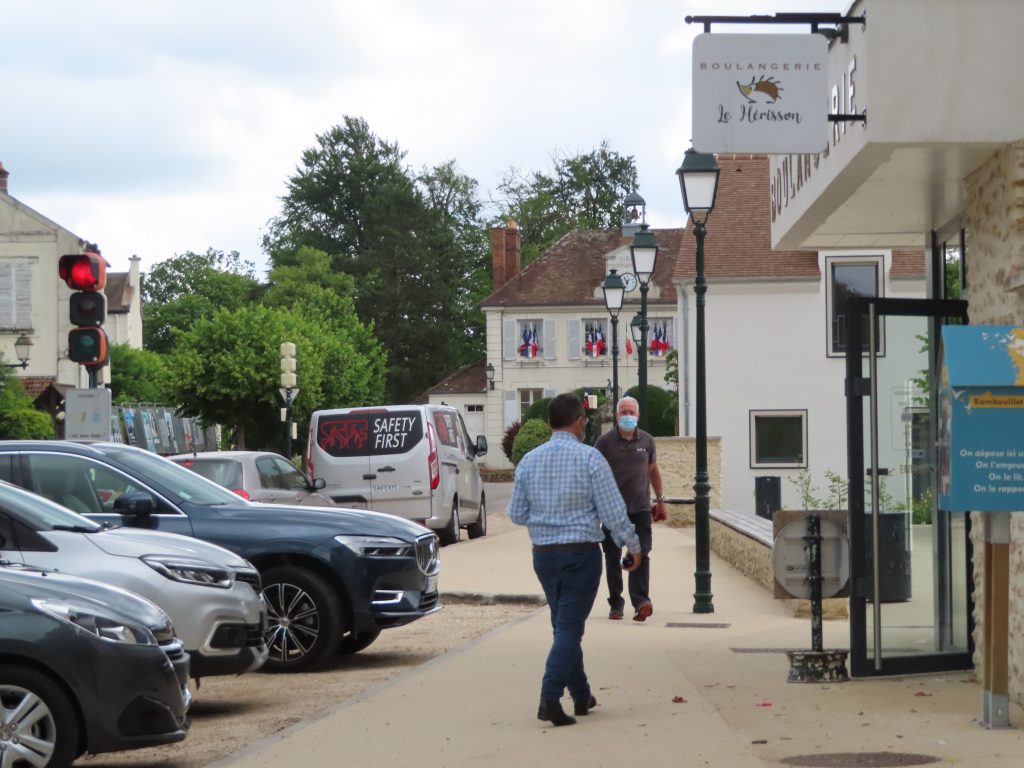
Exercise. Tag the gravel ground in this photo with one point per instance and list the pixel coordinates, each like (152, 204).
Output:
(230, 713)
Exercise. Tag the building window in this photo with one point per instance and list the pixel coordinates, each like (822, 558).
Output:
(474, 409)
(660, 337)
(778, 439)
(848, 277)
(529, 339)
(16, 296)
(528, 397)
(597, 341)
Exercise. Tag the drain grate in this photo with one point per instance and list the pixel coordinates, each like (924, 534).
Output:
(695, 625)
(860, 760)
(758, 650)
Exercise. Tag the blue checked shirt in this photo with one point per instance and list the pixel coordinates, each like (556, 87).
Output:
(565, 491)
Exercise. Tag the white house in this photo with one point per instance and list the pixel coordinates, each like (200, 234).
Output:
(548, 330)
(34, 301)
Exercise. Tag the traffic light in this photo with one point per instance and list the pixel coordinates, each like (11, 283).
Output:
(86, 274)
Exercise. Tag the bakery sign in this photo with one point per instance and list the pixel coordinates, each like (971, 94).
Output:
(760, 93)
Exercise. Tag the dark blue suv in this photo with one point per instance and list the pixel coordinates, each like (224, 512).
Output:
(333, 578)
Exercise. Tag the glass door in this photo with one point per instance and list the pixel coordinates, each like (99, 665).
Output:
(910, 604)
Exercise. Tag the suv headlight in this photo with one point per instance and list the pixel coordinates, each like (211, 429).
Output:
(95, 622)
(376, 546)
(191, 571)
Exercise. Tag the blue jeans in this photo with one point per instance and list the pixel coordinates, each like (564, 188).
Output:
(570, 579)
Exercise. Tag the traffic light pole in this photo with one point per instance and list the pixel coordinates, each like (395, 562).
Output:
(93, 377)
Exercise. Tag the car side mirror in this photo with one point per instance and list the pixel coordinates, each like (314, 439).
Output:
(317, 484)
(137, 507)
(481, 445)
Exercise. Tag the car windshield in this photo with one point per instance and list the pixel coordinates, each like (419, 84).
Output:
(183, 482)
(41, 514)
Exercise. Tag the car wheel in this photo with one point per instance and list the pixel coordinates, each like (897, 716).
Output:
(452, 532)
(354, 642)
(38, 725)
(304, 620)
(479, 528)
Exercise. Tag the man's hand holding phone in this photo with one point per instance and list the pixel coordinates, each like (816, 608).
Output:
(631, 562)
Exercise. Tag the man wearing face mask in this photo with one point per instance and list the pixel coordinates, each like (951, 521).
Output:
(631, 454)
(565, 494)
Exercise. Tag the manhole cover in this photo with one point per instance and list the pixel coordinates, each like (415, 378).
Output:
(860, 760)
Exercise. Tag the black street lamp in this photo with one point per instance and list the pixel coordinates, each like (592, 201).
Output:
(489, 370)
(614, 293)
(698, 182)
(644, 252)
(22, 350)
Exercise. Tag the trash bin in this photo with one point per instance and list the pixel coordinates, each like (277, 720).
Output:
(767, 495)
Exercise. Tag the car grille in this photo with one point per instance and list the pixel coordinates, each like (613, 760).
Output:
(428, 600)
(427, 554)
(237, 636)
(252, 578)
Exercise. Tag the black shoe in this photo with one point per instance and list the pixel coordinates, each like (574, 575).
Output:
(552, 710)
(583, 707)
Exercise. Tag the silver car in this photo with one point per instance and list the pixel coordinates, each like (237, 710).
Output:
(211, 594)
(257, 475)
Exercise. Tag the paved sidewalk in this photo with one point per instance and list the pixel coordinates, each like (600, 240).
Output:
(678, 690)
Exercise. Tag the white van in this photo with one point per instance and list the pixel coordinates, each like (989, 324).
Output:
(413, 461)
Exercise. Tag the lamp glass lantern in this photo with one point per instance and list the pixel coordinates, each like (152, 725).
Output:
(489, 370)
(644, 252)
(23, 348)
(635, 326)
(614, 292)
(698, 182)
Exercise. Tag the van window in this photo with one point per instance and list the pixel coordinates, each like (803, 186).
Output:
(447, 429)
(369, 433)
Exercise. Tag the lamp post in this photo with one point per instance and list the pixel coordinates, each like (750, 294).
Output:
(23, 351)
(489, 370)
(698, 182)
(644, 252)
(614, 293)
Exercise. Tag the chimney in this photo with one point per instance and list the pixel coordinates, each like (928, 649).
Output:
(133, 275)
(505, 253)
(4, 173)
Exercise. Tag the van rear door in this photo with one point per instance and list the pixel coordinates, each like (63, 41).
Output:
(381, 448)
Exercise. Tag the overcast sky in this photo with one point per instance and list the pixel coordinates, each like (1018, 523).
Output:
(162, 126)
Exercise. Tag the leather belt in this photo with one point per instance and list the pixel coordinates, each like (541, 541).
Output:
(574, 546)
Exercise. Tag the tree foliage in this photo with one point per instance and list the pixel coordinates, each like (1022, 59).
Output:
(661, 409)
(19, 419)
(583, 191)
(413, 243)
(179, 291)
(138, 375)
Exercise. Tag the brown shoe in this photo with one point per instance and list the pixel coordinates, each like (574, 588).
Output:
(645, 610)
(615, 615)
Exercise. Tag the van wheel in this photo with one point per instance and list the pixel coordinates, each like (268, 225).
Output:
(40, 726)
(354, 642)
(479, 528)
(452, 532)
(305, 622)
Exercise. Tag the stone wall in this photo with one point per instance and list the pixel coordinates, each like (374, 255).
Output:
(677, 461)
(995, 236)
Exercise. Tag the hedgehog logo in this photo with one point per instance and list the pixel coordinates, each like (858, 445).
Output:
(761, 89)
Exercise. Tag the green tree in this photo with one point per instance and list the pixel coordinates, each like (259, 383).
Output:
(661, 410)
(19, 419)
(179, 291)
(583, 191)
(138, 375)
(413, 244)
(534, 432)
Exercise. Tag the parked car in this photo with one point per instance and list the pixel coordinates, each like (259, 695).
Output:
(413, 461)
(256, 475)
(211, 594)
(333, 578)
(84, 667)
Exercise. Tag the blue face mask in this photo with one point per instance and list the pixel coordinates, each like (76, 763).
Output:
(627, 423)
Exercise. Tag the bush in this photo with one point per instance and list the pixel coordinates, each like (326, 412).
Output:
(538, 410)
(533, 433)
(509, 437)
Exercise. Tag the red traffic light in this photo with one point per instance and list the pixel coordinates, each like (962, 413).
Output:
(83, 271)
(87, 346)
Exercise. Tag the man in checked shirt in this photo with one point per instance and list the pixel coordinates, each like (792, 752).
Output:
(564, 492)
